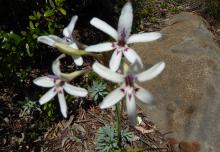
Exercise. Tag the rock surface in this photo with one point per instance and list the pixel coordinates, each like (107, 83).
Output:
(187, 93)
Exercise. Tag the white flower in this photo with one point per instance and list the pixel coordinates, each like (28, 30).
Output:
(128, 88)
(67, 39)
(58, 85)
(122, 37)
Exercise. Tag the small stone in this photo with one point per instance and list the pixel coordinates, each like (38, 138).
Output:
(6, 120)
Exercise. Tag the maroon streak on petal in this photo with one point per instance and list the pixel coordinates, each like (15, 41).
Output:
(55, 90)
(136, 89)
(118, 51)
(123, 90)
(129, 97)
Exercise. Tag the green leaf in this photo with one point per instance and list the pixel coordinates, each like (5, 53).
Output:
(24, 33)
(51, 3)
(49, 13)
(63, 11)
(31, 25)
(37, 24)
(38, 15)
(28, 50)
(32, 18)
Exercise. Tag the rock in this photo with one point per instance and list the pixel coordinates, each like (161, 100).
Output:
(187, 93)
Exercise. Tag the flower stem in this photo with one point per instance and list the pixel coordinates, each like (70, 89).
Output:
(118, 123)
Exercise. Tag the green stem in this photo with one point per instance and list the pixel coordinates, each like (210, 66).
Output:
(118, 121)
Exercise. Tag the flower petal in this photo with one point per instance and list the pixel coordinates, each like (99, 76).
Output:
(44, 81)
(62, 102)
(151, 73)
(75, 91)
(57, 39)
(112, 98)
(78, 60)
(73, 45)
(46, 40)
(48, 96)
(115, 60)
(56, 65)
(143, 95)
(103, 26)
(101, 47)
(132, 56)
(125, 21)
(107, 73)
(144, 37)
(67, 32)
(131, 108)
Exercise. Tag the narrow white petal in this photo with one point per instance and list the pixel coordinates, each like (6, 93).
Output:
(112, 98)
(115, 60)
(78, 60)
(44, 81)
(48, 96)
(143, 95)
(73, 45)
(62, 102)
(57, 39)
(56, 65)
(132, 56)
(131, 108)
(144, 37)
(101, 47)
(67, 32)
(107, 73)
(103, 26)
(46, 40)
(125, 21)
(151, 73)
(75, 91)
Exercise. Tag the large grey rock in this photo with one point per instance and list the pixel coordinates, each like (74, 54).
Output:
(187, 93)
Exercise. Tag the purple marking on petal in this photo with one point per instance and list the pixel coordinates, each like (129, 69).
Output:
(60, 92)
(123, 90)
(129, 97)
(62, 83)
(129, 80)
(126, 49)
(123, 34)
(118, 51)
(136, 89)
(68, 39)
(122, 40)
(55, 90)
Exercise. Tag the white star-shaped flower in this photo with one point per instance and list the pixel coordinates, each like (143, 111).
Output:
(67, 39)
(58, 84)
(128, 86)
(122, 37)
